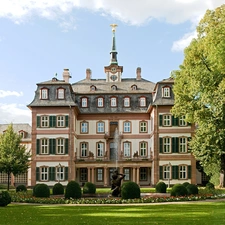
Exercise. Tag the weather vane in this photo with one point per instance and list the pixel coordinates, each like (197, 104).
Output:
(114, 27)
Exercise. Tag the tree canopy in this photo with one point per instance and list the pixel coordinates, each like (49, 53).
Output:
(14, 158)
(200, 88)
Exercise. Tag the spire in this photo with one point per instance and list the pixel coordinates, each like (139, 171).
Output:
(113, 52)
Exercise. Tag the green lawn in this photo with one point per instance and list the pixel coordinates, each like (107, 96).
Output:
(190, 213)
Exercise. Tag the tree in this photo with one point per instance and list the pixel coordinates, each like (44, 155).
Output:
(13, 156)
(199, 89)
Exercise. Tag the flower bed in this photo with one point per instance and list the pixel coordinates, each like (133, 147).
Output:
(26, 198)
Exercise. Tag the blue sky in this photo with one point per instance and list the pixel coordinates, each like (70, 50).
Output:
(39, 38)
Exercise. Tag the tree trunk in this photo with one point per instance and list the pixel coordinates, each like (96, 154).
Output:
(8, 181)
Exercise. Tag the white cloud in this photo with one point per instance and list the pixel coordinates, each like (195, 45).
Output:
(4, 94)
(181, 44)
(14, 113)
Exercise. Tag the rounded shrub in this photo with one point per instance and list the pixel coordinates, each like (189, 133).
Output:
(41, 190)
(58, 189)
(186, 184)
(21, 188)
(210, 186)
(5, 198)
(160, 187)
(192, 189)
(179, 190)
(130, 190)
(73, 190)
(89, 188)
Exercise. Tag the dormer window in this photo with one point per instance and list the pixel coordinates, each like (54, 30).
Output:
(60, 93)
(44, 93)
(166, 92)
(114, 87)
(84, 102)
(22, 134)
(93, 88)
(100, 102)
(142, 102)
(113, 102)
(134, 87)
(126, 102)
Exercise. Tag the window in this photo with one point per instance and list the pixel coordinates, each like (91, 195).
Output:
(143, 127)
(114, 87)
(100, 127)
(182, 121)
(142, 101)
(166, 145)
(100, 102)
(134, 87)
(60, 121)
(44, 146)
(60, 145)
(84, 127)
(166, 92)
(113, 102)
(44, 173)
(126, 149)
(126, 172)
(84, 149)
(83, 174)
(44, 121)
(60, 173)
(92, 88)
(166, 120)
(100, 149)
(99, 174)
(182, 172)
(126, 127)
(61, 93)
(44, 93)
(143, 149)
(166, 172)
(143, 174)
(126, 102)
(182, 144)
(22, 134)
(84, 102)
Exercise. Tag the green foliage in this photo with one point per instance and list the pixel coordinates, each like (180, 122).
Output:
(89, 188)
(41, 190)
(192, 189)
(73, 190)
(21, 188)
(199, 89)
(179, 190)
(13, 156)
(5, 198)
(210, 185)
(186, 184)
(160, 187)
(130, 190)
(58, 189)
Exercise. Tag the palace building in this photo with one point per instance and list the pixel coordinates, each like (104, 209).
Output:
(82, 131)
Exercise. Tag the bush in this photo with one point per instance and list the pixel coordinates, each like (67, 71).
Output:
(89, 188)
(5, 198)
(58, 189)
(160, 187)
(210, 186)
(179, 190)
(186, 184)
(73, 190)
(130, 190)
(192, 189)
(21, 188)
(41, 190)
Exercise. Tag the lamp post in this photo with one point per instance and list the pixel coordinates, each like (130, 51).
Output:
(169, 174)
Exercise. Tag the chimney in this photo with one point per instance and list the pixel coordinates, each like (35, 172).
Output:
(88, 74)
(138, 73)
(66, 75)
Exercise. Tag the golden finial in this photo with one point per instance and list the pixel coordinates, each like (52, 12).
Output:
(114, 27)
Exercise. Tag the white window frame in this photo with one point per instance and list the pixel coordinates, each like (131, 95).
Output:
(100, 149)
(84, 102)
(166, 120)
(61, 93)
(84, 149)
(44, 93)
(100, 127)
(60, 121)
(84, 127)
(126, 172)
(166, 172)
(126, 149)
(44, 146)
(127, 127)
(113, 102)
(143, 149)
(44, 174)
(60, 142)
(100, 102)
(166, 92)
(183, 144)
(182, 121)
(166, 145)
(44, 121)
(142, 101)
(182, 172)
(143, 126)
(126, 102)
(60, 173)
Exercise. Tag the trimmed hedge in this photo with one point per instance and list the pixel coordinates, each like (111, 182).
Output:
(130, 190)
(179, 190)
(5, 198)
(21, 188)
(192, 189)
(160, 187)
(89, 188)
(210, 186)
(41, 190)
(58, 189)
(73, 190)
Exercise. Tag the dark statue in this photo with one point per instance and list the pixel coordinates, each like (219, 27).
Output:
(116, 183)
